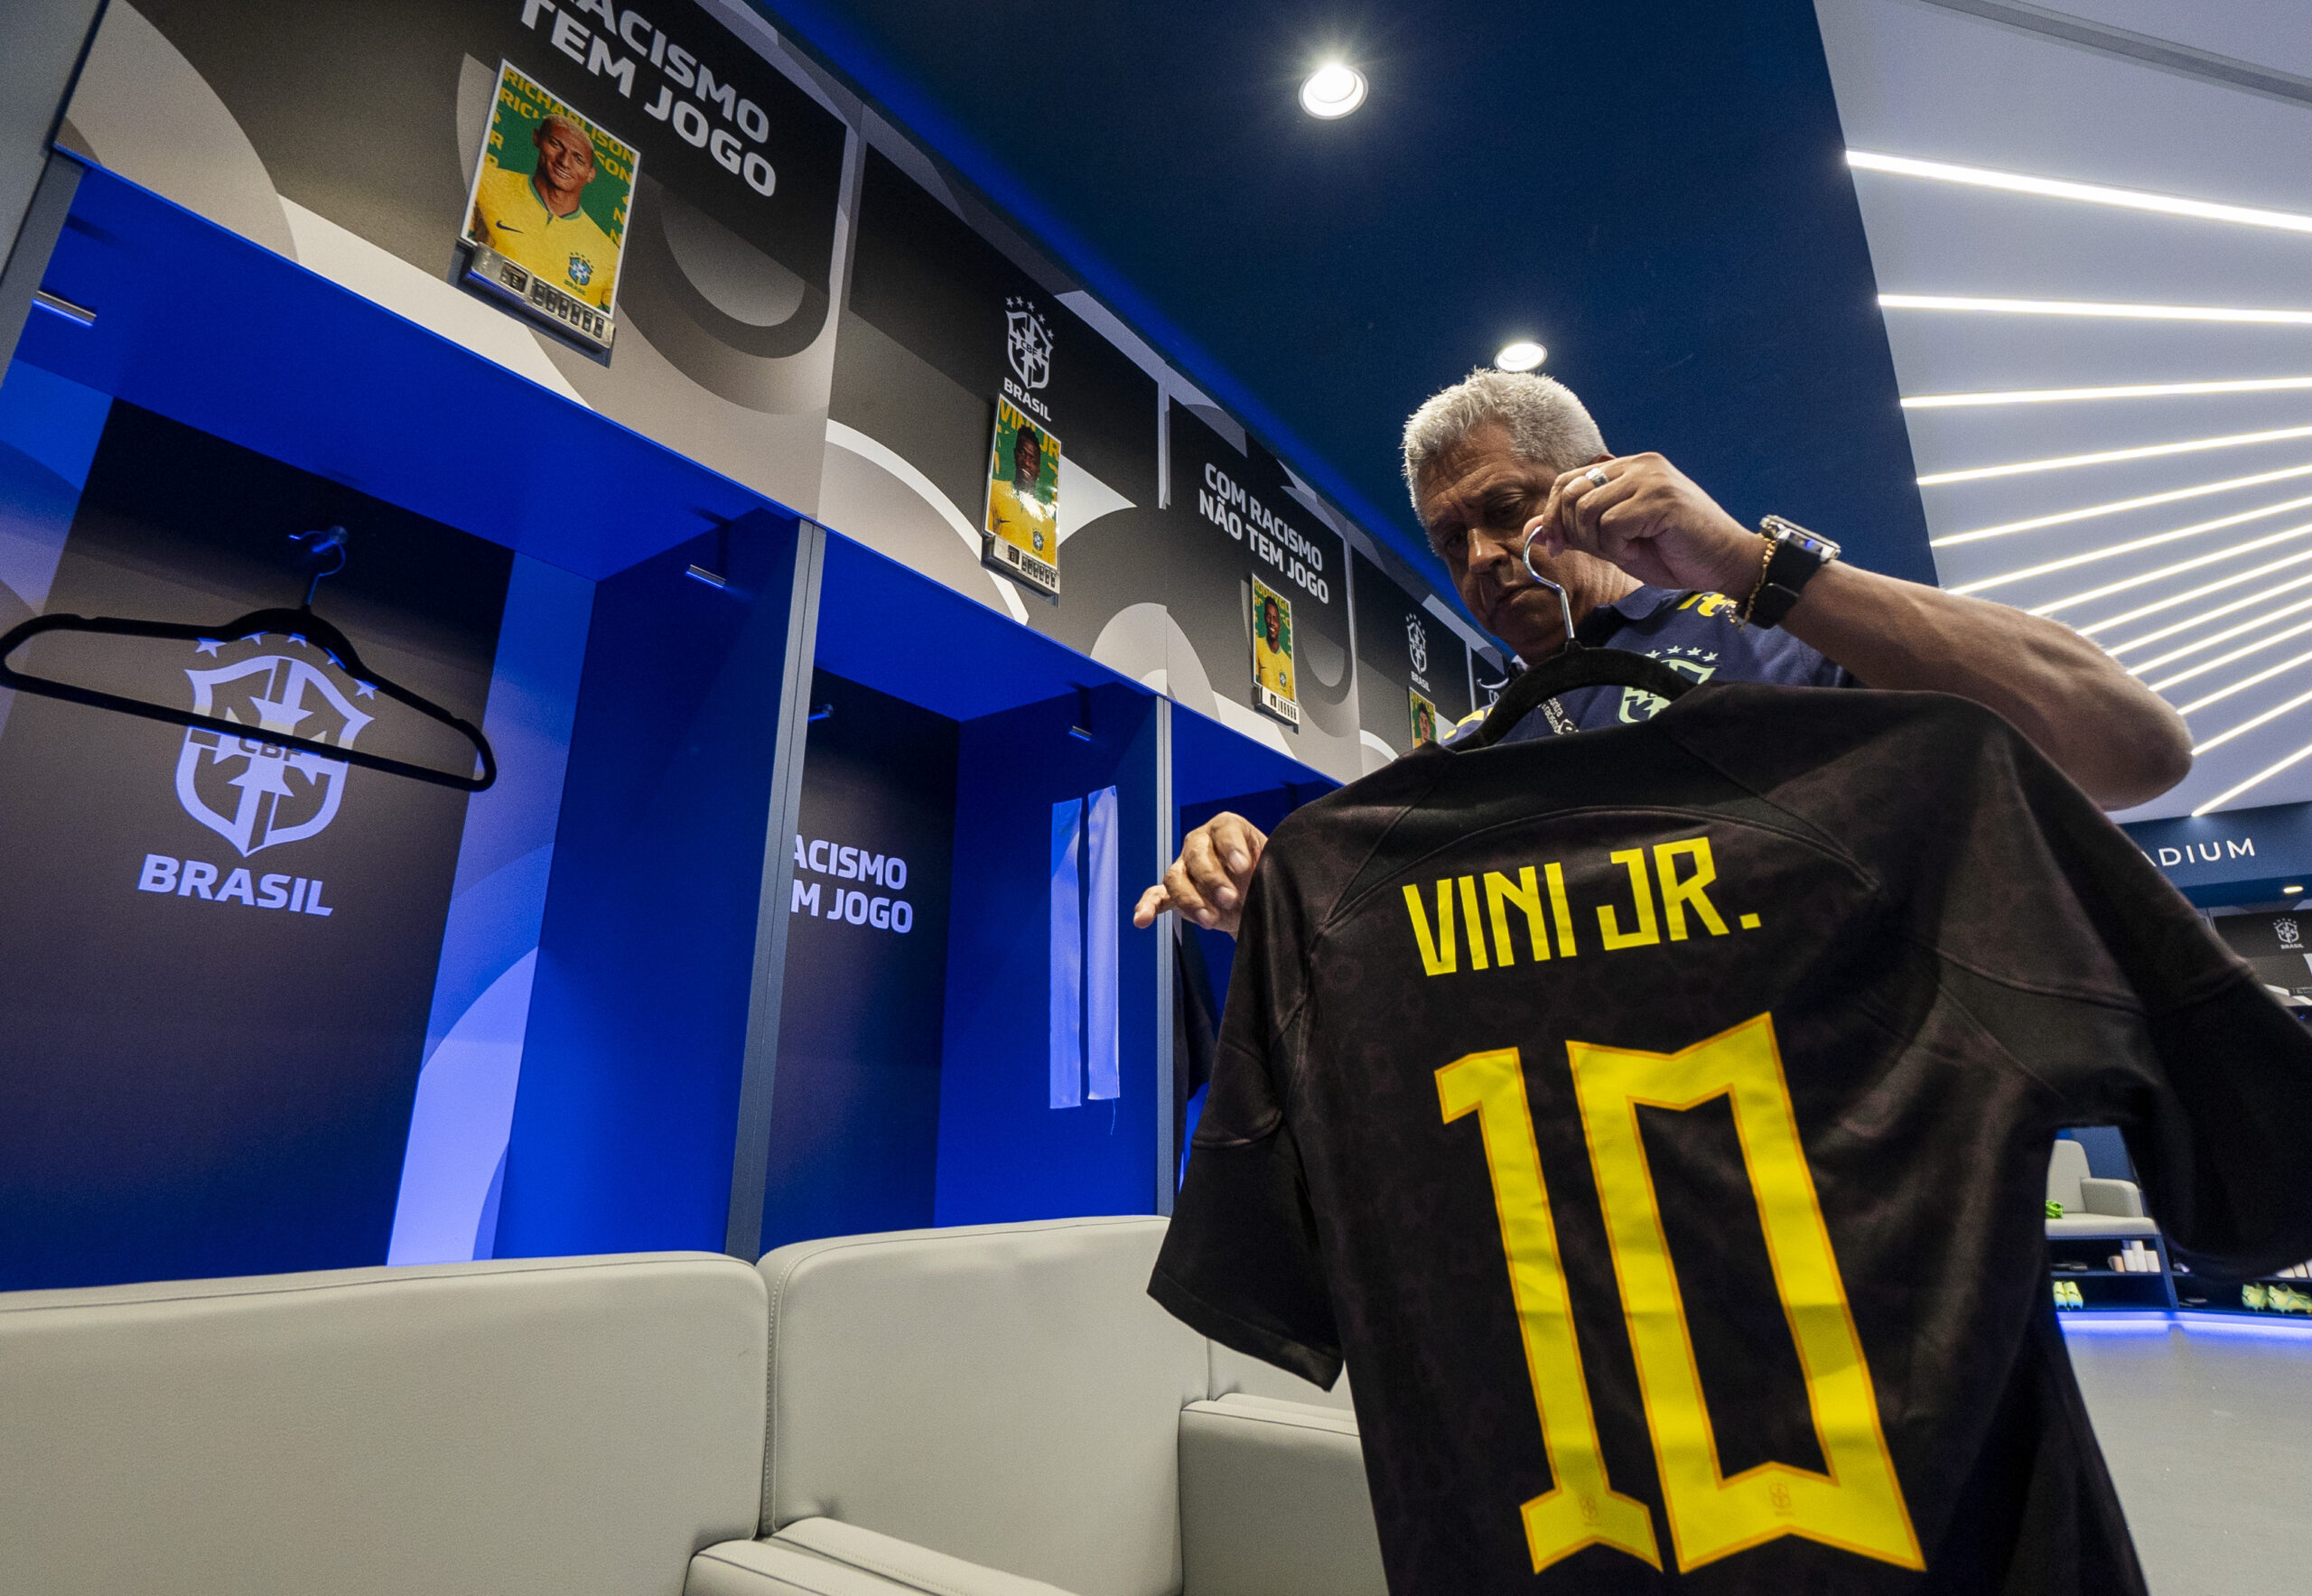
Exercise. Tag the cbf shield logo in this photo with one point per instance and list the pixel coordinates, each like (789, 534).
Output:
(253, 793)
(1417, 644)
(1027, 343)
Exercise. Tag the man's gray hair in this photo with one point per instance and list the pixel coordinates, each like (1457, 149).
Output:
(1545, 423)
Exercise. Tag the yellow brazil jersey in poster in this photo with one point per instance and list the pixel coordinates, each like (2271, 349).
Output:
(1273, 685)
(1022, 520)
(551, 191)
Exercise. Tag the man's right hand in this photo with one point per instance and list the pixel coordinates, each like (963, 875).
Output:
(1206, 882)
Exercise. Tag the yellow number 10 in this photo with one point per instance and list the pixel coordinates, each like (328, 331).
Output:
(1857, 1504)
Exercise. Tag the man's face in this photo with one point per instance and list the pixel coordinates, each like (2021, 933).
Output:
(1027, 460)
(566, 161)
(1476, 499)
(1272, 623)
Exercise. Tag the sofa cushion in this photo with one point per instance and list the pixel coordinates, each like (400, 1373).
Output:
(1007, 1395)
(1273, 1501)
(823, 1557)
(564, 1426)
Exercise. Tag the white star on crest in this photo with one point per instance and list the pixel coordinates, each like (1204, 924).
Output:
(365, 690)
(208, 646)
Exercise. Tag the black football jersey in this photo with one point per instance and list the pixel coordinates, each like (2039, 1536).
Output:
(1657, 1121)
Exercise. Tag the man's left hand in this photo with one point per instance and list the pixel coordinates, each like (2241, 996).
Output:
(1652, 521)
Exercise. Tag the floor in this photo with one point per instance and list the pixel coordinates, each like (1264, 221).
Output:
(2208, 1433)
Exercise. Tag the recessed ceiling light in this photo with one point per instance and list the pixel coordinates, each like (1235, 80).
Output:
(2291, 889)
(1522, 356)
(1333, 89)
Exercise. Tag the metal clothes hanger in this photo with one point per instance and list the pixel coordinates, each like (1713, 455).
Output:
(1574, 665)
(299, 622)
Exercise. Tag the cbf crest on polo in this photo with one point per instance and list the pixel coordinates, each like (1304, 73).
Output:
(253, 793)
(582, 270)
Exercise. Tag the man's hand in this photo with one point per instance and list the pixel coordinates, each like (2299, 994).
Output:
(2108, 732)
(1206, 882)
(1650, 520)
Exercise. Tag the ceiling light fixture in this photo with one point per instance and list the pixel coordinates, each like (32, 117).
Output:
(1333, 89)
(2225, 636)
(2143, 390)
(2111, 456)
(2133, 545)
(2126, 583)
(2072, 307)
(2056, 188)
(2258, 779)
(2064, 518)
(1522, 356)
(2201, 592)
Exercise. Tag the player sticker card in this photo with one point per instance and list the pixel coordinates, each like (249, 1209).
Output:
(1020, 532)
(546, 215)
(1424, 717)
(1272, 680)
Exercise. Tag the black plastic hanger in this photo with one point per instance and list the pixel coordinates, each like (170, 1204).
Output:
(299, 622)
(1576, 665)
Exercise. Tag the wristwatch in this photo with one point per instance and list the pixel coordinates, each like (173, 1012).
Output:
(1793, 556)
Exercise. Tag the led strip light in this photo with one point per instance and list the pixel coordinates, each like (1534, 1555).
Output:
(2079, 307)
(2225, 636)
(2143, 390)
(2200, 592)
(2259, 777)
(2094, 193)
(2159, 204)
(2064, 518)
(2111, 456)
(2111, 550)
(2127, 583)
(2255, 680)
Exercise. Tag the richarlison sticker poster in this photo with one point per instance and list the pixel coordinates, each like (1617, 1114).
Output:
(1022, 522)
(1273, 653)
(547, 215)
(1424, 717)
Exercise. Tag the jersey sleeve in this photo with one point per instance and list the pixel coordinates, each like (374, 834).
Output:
(1241, 1262)
(2095, 974)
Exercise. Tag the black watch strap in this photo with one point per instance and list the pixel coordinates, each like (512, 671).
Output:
(1796, 554)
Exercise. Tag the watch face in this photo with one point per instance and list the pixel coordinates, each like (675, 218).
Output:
(1784, 531)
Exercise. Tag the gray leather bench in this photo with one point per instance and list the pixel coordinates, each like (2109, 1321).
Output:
(995, 1411)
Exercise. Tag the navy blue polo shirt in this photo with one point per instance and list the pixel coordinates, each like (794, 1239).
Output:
(1692, 633)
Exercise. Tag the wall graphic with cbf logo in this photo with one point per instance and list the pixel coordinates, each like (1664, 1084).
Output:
(217, 958)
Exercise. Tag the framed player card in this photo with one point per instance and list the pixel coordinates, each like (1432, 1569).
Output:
(1424, 717)
(546, 215)
(1272, 680)
(1020, 530)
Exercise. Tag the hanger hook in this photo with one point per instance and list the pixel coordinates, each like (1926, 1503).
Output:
(1564, 609)
(330, 541)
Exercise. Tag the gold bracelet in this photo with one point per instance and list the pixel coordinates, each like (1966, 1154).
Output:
(1759, 586)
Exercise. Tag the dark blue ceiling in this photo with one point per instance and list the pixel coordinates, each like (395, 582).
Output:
(1652, 188)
